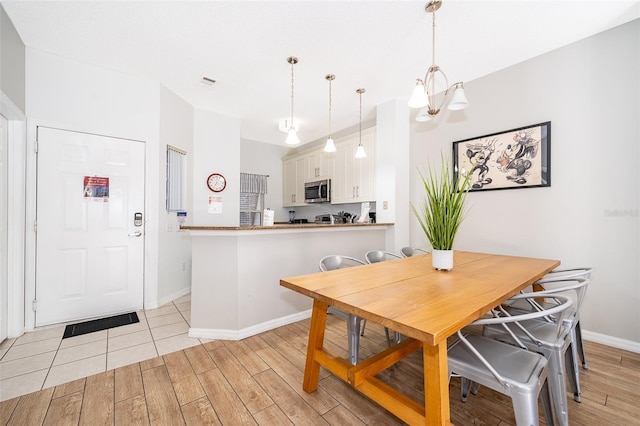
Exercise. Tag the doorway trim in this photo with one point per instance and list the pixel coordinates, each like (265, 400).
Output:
(150, 289)
(16, 214)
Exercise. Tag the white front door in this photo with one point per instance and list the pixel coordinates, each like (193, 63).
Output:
(4, 288)
(90, 226)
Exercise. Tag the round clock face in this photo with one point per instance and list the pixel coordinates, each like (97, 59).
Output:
(216, 182)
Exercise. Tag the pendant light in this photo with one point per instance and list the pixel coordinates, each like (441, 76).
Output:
(330, 146)
(424, 95)
(292, 137)
(360, 152)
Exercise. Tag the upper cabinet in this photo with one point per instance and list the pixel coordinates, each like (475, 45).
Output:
(293, 178)
(319, 164)
(354, 178)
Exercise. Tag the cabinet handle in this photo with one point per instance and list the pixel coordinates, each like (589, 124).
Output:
(357, 191)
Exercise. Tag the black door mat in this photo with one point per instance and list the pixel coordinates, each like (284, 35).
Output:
(100, 324)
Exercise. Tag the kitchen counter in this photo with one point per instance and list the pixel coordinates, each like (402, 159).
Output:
(236, 272)
(309, 225)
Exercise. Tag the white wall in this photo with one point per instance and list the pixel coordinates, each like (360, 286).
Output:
(12, 62)
(216, 150)
(174, 246)
(78, 96)
(392, 174)
(266, 159)
(590, 92)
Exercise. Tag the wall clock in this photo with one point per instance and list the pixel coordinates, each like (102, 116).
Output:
(216, 182)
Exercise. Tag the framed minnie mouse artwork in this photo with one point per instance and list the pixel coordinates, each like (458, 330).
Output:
(516, 158)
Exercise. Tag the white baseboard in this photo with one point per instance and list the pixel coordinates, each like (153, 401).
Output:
(222, 334)
(615, 342)
(170, 298)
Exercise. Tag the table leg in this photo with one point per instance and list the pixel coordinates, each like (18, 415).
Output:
(436, 384)
(316, 338)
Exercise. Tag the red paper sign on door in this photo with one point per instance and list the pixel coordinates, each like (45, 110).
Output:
(96, 188)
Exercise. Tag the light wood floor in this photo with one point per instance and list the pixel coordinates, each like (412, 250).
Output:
(259, 381)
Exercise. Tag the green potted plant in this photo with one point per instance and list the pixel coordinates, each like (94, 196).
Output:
(442, 211)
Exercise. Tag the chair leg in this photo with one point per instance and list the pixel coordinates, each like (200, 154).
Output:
(475, 388)
(386, 333)
(573, 373)
(364, 324)
(558, 385)
(525, 408)
(545, 396)
(580, 346)
(353, 336)
(465, 385)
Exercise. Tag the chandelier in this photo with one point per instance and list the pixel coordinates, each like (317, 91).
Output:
(424, 94)
(292, 137)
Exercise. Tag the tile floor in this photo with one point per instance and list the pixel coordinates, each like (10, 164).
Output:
(42, 359)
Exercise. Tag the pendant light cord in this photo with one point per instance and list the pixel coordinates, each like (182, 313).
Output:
(330, 126)
(292, 64)
(360, 125)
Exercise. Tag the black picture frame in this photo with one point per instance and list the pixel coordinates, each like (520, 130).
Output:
(511, 159)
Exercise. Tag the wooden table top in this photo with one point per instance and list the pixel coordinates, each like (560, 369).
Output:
(409, 296)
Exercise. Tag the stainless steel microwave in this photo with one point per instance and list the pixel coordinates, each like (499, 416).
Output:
(318, 191)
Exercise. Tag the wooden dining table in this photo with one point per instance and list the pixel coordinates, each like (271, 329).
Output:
(426, 305)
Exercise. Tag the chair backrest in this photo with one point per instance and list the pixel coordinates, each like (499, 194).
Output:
(574, 288)
(501, 316)
(567, 273)
(334, 261)
(411, 251)
(375, 256)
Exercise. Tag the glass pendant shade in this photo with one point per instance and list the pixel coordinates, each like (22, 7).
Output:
(360, 152)
(330, 146)
(458, 100)
(292, 137)
(419, 97)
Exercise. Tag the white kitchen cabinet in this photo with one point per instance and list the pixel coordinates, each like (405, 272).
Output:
(319, 164)
(354, 178)
(294, 176)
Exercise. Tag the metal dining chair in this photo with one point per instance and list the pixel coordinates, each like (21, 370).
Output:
(510, 369)
(333, 262)
(411, 251)
(576, 329)
(540, 335)
(556, 282)
(375, 256)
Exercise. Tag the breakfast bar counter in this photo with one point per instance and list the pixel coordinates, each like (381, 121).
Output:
(236, 272)
(281, 226)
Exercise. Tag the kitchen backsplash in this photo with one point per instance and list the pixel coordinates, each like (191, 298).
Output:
(311, 211)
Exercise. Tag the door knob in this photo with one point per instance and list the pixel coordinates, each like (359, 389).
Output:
(136, 234)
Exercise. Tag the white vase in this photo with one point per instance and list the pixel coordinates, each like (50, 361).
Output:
(442, 260)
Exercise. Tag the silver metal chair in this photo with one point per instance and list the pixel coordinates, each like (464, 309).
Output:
(375, 256)
(540, 335)
(576, 329)
(561, 281)
(511, 370)
(411, 251)
(333, 262)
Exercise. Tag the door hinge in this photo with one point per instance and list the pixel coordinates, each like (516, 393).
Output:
(35, 226)
(35, 305)
(35, 147)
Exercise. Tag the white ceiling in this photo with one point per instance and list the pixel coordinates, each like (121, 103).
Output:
(382, 46)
